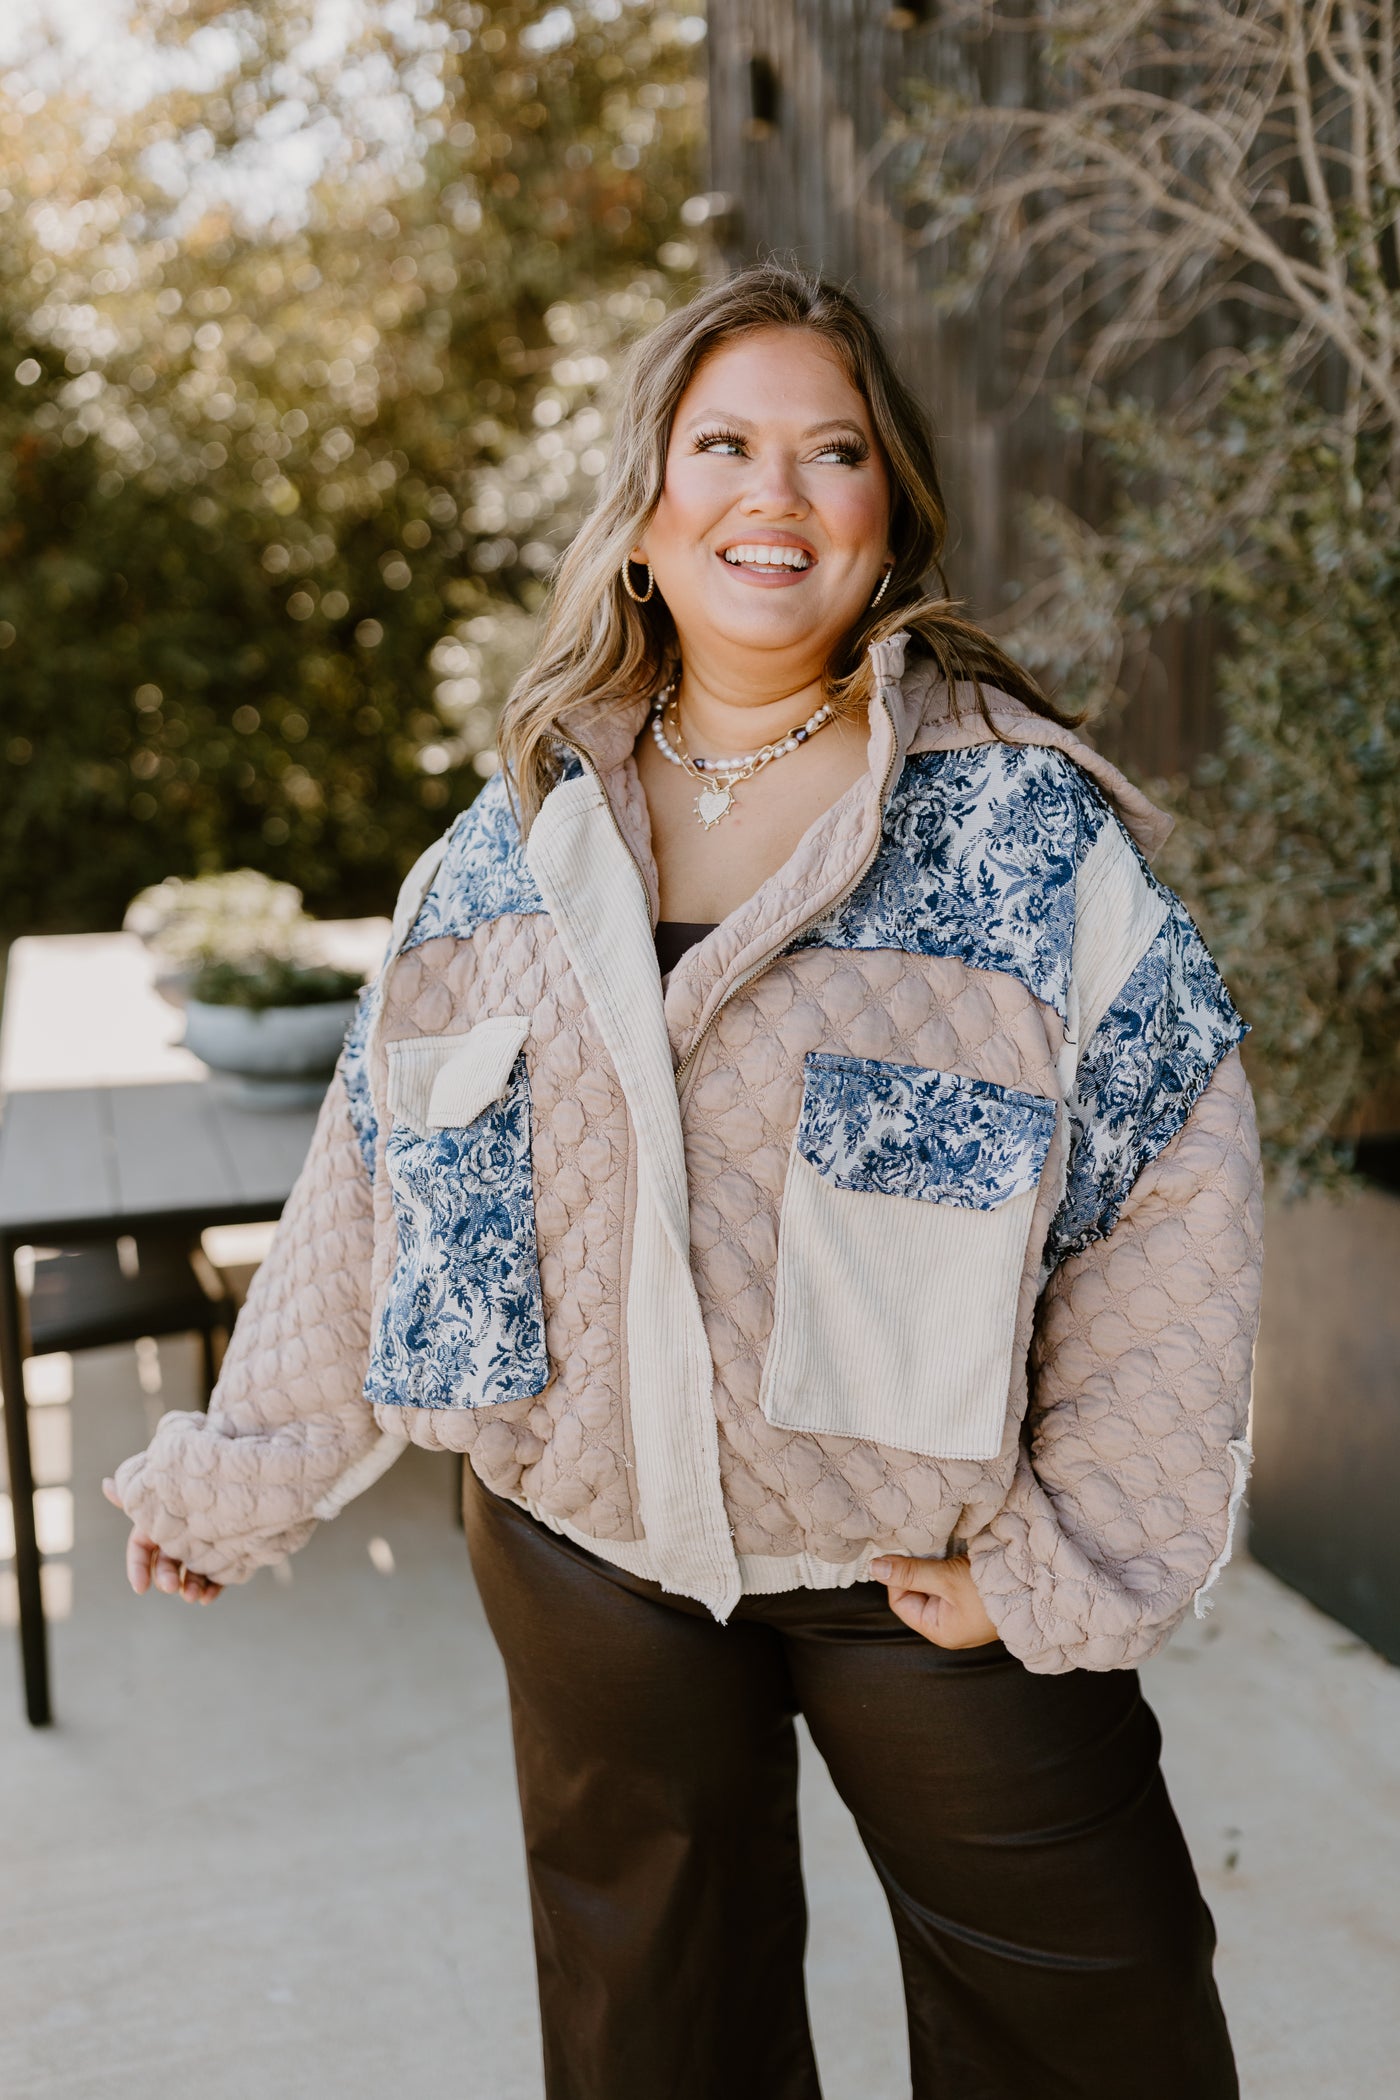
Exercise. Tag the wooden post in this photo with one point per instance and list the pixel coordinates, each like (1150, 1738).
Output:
(801, 97)
(33, 1637)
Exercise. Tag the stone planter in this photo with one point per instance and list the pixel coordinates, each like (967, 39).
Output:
(1326, 1488)
(279, 1057)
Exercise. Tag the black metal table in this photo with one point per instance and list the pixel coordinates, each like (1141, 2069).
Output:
(83, 1163)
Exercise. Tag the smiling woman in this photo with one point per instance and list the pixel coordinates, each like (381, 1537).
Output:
(830, 1230)
(767, 443)
(768, 543)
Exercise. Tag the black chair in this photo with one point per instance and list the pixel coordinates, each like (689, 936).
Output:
(89, 1297)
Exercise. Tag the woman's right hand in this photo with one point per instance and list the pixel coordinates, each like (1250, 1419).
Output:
(146, 1564)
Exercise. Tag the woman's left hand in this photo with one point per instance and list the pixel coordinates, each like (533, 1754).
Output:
(936, 1598)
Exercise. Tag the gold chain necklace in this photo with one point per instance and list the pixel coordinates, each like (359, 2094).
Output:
(718, 777)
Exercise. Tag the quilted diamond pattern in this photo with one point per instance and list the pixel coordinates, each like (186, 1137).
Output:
(232, 1491)
(1141, 1363)
(568, 1449)
(1088, 1537)
(789, 1492)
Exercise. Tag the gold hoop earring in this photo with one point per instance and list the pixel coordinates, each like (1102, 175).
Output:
(884, 585)
(638, 597)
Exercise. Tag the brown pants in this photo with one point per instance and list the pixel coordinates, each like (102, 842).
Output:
(1054, 1942)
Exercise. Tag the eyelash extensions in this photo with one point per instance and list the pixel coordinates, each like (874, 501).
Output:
(851, 451)
(706, 438)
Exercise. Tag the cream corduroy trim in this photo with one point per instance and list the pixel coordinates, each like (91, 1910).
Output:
(1117, 915)
(760, 1574)
(440, 1080)
(592, 891)
(894, 1319)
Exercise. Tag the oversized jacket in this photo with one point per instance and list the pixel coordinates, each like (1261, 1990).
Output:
(917, 1211)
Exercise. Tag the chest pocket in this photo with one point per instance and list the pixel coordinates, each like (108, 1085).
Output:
(906, 1213)
(462, 1323)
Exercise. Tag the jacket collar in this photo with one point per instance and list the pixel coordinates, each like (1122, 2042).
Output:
(911, 711)
(607, 732)
(911, 702)
(939, 720)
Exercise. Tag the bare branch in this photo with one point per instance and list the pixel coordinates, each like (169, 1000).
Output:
(1188, 155)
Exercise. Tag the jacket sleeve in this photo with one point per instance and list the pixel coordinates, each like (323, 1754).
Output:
(1135, 1457)
(289, 1437)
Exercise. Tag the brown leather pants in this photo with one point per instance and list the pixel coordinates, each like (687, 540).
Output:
(1054, 1942)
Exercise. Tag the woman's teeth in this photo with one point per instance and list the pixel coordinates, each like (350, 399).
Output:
(768, 557)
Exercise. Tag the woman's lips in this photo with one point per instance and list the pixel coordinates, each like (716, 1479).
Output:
(771, 575)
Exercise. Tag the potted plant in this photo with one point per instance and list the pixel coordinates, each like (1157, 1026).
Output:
(263, 1009)
(270, 1026)
(187, 921)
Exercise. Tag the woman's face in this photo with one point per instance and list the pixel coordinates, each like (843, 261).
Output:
(772, 529)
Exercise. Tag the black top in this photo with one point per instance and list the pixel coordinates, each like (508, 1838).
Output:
(674, 937)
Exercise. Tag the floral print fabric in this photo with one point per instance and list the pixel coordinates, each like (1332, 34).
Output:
(900, 1130)
(463, 1322)
(980, 853)
(1140, 1075)
(483, 875)
(980, 857)
(354, 1072)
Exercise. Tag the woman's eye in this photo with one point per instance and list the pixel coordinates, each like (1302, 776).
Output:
(842, 452)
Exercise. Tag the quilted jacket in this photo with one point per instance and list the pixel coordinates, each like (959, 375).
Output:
(917, 1211)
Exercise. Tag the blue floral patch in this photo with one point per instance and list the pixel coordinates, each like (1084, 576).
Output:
(483, 875)
(354, 1073)
(463, 1322)
(1140, 1075)
(980, 853)
(900, 1130)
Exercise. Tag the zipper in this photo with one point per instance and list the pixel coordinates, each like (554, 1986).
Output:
(766, 962)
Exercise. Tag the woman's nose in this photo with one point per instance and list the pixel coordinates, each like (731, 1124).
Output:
(774, 489)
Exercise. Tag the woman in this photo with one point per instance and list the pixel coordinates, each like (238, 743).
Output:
(801, 1156)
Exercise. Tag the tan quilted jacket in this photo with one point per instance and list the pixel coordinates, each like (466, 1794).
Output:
(918, 1211)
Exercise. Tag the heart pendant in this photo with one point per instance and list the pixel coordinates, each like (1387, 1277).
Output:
(711, 804)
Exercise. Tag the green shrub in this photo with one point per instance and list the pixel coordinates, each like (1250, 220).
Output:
(1212, 192)
(260, 981)
(277, 495)
(1288, 838)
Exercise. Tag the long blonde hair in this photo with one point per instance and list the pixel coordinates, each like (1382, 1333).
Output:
(599, 648)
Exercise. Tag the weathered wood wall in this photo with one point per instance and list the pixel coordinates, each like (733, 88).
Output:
(807, 183)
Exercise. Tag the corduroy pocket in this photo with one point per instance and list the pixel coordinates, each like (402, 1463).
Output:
(901, 1251)
(461, 1323)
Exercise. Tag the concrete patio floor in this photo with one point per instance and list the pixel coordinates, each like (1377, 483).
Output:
(270, 1851)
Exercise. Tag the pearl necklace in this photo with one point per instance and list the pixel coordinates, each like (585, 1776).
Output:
(716, 796)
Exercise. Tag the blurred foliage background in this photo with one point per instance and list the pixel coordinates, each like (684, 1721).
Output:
(305, 313)
(1195, 227)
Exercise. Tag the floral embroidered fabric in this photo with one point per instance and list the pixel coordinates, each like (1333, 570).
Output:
(980, 853)
(483, 875)
(980, 856)
(979, 859)
(1140, 1075)
(899, 1130)
(463, 1321)
(354, 1072)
